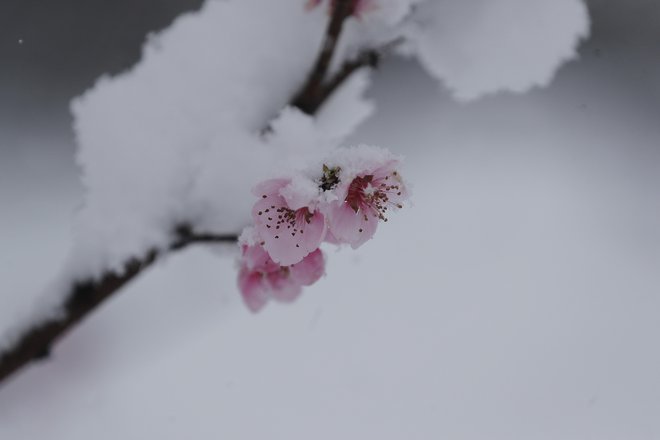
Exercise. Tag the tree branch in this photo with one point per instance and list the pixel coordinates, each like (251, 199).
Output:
(312, 94)
(85, 295)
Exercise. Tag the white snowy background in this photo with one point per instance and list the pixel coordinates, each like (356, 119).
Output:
(519, 298)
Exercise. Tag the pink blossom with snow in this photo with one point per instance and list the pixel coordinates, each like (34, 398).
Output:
(289, 227)
(292, 217)
(364, 200)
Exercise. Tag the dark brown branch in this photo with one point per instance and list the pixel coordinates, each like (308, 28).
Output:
(86, 295)
(311, 95)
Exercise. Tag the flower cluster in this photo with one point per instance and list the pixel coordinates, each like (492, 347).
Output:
(341, 203)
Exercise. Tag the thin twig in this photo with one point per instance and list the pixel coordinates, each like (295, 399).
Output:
(311, 95)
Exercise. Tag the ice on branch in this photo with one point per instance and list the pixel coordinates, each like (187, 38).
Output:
(339, 200)
(478, 47)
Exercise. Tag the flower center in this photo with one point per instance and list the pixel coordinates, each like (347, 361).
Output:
(374, 196)
(330, 177)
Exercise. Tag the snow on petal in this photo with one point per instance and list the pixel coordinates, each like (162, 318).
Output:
(300, 192)
(361, 159)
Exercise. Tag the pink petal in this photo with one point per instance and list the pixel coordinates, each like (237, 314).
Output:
(283, 287)
(256, 258)
(388, 171)
(314, 233)
(351, 227)
(310, 269)
(285, 245)
(330, 238)
(253, 291)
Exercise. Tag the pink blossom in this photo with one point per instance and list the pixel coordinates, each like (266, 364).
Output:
(289, 228)
(362, 202)
(261, 279)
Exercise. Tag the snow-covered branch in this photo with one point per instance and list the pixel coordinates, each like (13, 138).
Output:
(170, 150)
